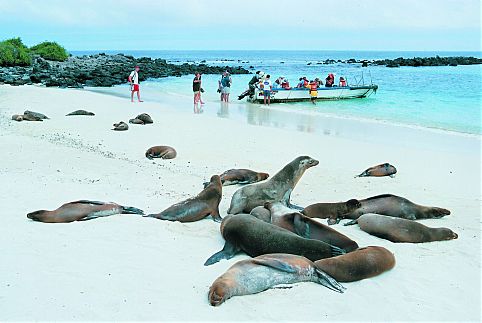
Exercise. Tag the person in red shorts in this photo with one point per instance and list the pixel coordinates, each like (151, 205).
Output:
(134, 81)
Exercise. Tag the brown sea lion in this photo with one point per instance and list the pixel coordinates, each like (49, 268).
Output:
(164, 152)
(331, 211)
(121, 126)
(80, 113)
(276, 189)
(144, 117)
(244, 232)
(402, 230)
(357, 265)
(255, 275)
(196, 208)
(241, 176)
(81, 211)
(136, 121)
(396, 206)
(379, 171)
(305, 227)
(35, 115)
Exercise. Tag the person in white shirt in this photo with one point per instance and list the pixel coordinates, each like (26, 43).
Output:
(267, 87)
(134, 81)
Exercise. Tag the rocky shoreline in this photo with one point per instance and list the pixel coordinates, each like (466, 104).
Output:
(414, 62)
(101, 70)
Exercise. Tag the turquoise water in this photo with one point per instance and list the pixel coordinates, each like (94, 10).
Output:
(447, 98)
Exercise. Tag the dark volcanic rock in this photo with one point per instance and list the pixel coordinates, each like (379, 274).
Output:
(429, 61)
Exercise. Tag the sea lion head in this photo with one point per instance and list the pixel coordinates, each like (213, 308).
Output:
(216, 180)
(352, 204)
(437, 212)
(306, 162)
(220, 291)
(36, 216)
(262, 176)
(447, 234)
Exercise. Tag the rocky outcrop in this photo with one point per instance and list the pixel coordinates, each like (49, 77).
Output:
(429, 61)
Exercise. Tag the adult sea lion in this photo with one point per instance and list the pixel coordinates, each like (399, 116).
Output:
(379, 171)
(80, 113)
(331, 211)
(196, 208)
(255, 275)
(402, 230)
(81, 211)
(36, 115)
(121, 126)
(241, 176)
(357, 265)
(305, 227)
(164, 152)
(244, 232)
(144, 117)
(396, 206)
(276, 189)
(136, 121)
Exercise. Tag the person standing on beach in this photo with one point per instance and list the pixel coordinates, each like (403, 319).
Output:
(226, 82)
(267, 87)
(134, 81)
(196, 88)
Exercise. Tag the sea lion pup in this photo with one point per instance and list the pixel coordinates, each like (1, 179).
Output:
(81, 211)
(136, 121)
(305, 227)
(379, 171)
(28, 117)
(396, 206)
(17, 117)
(276, 189)
(244, 232)
(196, 208)
(402, 230)
(241, 176)
(144, 117)
(332, 211)
(36, 115)
(164, 152)
(80, 113)
(121, 126)
(357, 265)
(255, 275)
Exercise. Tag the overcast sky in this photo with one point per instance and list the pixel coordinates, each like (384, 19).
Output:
(246, 24)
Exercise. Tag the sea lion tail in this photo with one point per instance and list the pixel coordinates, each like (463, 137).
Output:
(337, 251)
(329, 282)
(131, 210)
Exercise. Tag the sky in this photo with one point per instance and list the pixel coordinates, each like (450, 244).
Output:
(425, 25)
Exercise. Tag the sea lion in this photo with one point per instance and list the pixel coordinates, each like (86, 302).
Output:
(164, 152)
(121, 126)
(255, 275)
(396, 206)
(36, 115)
(80, 113)
(261, 213)
(136, 121)
(196, 208)
(241, 176)
(357, 265)
(144, 117)
(244, 232)
(331, 211)
(379, 171)
(17, 117)
(276, 189)
(402, 230)
(81, 211)
(305, 227)
(25, 117)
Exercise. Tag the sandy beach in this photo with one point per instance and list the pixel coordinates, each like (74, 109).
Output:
(131, 268)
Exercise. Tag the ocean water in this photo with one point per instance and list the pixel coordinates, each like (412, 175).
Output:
(446, 98)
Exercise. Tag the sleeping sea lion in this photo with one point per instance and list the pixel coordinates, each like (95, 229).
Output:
(241, 176)
(17, 117)
(35, 115)
(164, 152)
(402, 230)
(136, 121)
(331, 211)
(196, 208)
(121, 126)
(379, 171)
(244, 232)
(255, 275)
(81, 211)
(144, 117)
(80, 113)
(276, 189)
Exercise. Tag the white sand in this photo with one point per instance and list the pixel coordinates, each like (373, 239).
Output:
(130, 268)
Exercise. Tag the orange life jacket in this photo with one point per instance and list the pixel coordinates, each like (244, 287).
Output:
(314, 86)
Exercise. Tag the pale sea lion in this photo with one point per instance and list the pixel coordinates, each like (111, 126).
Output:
(402, 230)
(121, 126)
(331, 211)
(196, 208)
(357, 265)
(164, 152)
(241, 176)
(276, 189)
(305, 227)
(136, 121)
(23, 117)
(17, 117)
(81, 211)
(36, 115)
(396, 206)
(244, 232)
(255, 275)
(144, 117)
(80, 113)
(379, 171)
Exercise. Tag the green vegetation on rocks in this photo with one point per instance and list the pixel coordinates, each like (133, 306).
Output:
(50, 51)
(14, 53)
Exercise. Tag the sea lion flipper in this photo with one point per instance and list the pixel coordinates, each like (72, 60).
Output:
(228, 252)
(352, 222)
(332, 221)
(336, 251)
(329, 282)
(276, 264)
(216, 216)
(132, 210)
(302, 228)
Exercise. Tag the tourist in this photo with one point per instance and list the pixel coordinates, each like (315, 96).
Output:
(330, 80)
(226, 82)
(285, 84)
(313, 88)
(267, 87)
(197, 89)
(342, 81)
(320, 82)
(134, 82)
